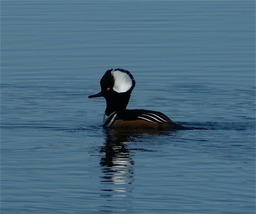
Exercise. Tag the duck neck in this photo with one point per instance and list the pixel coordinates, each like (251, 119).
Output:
(117, 103)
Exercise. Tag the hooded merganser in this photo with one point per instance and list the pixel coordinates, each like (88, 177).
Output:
(116, 88)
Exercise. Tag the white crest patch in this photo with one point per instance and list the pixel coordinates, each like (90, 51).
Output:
(123, 81)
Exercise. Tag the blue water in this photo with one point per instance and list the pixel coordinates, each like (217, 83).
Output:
(192, 60)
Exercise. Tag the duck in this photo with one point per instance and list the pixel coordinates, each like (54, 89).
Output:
(116, 87)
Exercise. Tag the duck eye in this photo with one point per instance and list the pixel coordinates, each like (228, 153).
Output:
(108, 89)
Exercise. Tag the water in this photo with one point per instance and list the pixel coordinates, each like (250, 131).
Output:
(192, 60)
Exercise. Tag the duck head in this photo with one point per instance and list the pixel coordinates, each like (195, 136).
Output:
(116, 87)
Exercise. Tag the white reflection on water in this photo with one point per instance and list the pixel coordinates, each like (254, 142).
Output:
(117, 164)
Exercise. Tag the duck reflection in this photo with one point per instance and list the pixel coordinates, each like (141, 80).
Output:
(117, 167)
(116, 162)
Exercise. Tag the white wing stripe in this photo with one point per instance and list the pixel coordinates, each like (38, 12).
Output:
(144, 118)
(154, 117)
(157, 116)
(110, 119)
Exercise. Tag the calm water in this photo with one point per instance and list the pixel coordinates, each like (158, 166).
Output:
(193, 60)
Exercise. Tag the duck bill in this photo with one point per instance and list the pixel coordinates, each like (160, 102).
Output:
(96, 95)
